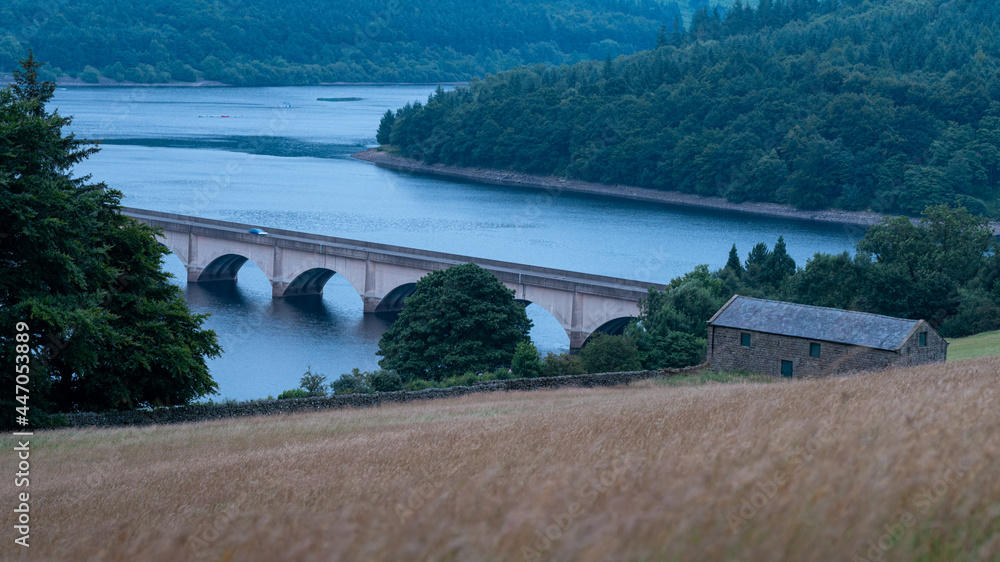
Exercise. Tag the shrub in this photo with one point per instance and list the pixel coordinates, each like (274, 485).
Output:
(467, 379)
(561, 364)
(673, 349)
(313, 383)
(385, 381)
(609, 354)
(419, 384)
(526, 362)
(501, 374)
(293, 393)
(350, 383)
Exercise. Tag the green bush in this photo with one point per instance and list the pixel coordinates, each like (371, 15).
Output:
(526, 362)
(467, 379)
(609, 354)
(351, 383)
(501, 374)
(669, 349)
(293, 393)
(561, 364)
(313, 383)
(385, 381)
(420, 384)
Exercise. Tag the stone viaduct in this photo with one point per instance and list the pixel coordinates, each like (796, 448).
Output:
(298, 263)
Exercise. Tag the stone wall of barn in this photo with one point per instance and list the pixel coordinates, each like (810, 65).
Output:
(767, 351)
(912, 354)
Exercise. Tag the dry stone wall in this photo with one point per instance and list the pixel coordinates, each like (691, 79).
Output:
(269, 407)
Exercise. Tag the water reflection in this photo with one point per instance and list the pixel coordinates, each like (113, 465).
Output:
(215, 294)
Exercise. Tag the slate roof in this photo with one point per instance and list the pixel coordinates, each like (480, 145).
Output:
(814, 322)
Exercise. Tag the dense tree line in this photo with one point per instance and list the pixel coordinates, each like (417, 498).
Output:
(272, 42)
(944, 269)
(854, 104)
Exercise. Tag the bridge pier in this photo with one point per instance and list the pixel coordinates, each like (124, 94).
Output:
(370, 303)
(278, 289)
(577, 338)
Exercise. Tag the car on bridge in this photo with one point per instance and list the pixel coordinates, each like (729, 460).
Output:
(257, 231)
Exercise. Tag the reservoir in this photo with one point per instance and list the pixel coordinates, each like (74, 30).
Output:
(280, 158)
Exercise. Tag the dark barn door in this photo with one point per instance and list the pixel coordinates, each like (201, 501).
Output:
(786, 368)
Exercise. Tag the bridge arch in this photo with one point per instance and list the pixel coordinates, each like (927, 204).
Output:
(393, 301)
(553, 311)
(173, 264)
(547, 332)
(309, 282)
(222, 268)
(613, 327)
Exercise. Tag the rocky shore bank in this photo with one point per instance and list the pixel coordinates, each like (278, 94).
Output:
(556, 185)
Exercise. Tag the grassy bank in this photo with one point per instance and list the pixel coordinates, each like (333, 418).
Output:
(791, 470)
(979, 345)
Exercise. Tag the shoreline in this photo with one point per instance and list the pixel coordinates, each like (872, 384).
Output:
(66, 81)
(69, 82)
(507, 178)
(556, 184)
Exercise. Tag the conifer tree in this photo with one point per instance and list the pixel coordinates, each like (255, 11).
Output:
(734, 263)
(107, 329)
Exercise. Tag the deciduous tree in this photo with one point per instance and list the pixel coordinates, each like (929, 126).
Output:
(458, 320)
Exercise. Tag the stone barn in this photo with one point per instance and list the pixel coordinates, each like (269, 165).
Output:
(796, 340)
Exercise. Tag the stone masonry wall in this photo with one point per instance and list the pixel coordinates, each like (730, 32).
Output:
(267, 407)
(912, 354)
(767, 351)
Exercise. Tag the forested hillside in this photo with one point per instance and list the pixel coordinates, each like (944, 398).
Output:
(255, 42)
(855, 104)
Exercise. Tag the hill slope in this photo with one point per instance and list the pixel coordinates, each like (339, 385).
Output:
(986, 344)
(793, 470)
(852, 104)
(257, 42)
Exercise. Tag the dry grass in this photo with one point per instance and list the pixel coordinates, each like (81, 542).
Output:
(647, 472)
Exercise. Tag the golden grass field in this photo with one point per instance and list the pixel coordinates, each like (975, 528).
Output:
(898, 465)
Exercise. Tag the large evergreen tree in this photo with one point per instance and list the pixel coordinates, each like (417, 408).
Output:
(458, 320)
(107, 328)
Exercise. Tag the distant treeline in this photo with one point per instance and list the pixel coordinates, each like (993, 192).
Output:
(945, 270)
(286, 42)
(856, 104)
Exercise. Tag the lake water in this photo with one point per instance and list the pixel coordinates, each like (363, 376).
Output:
(280, 158)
